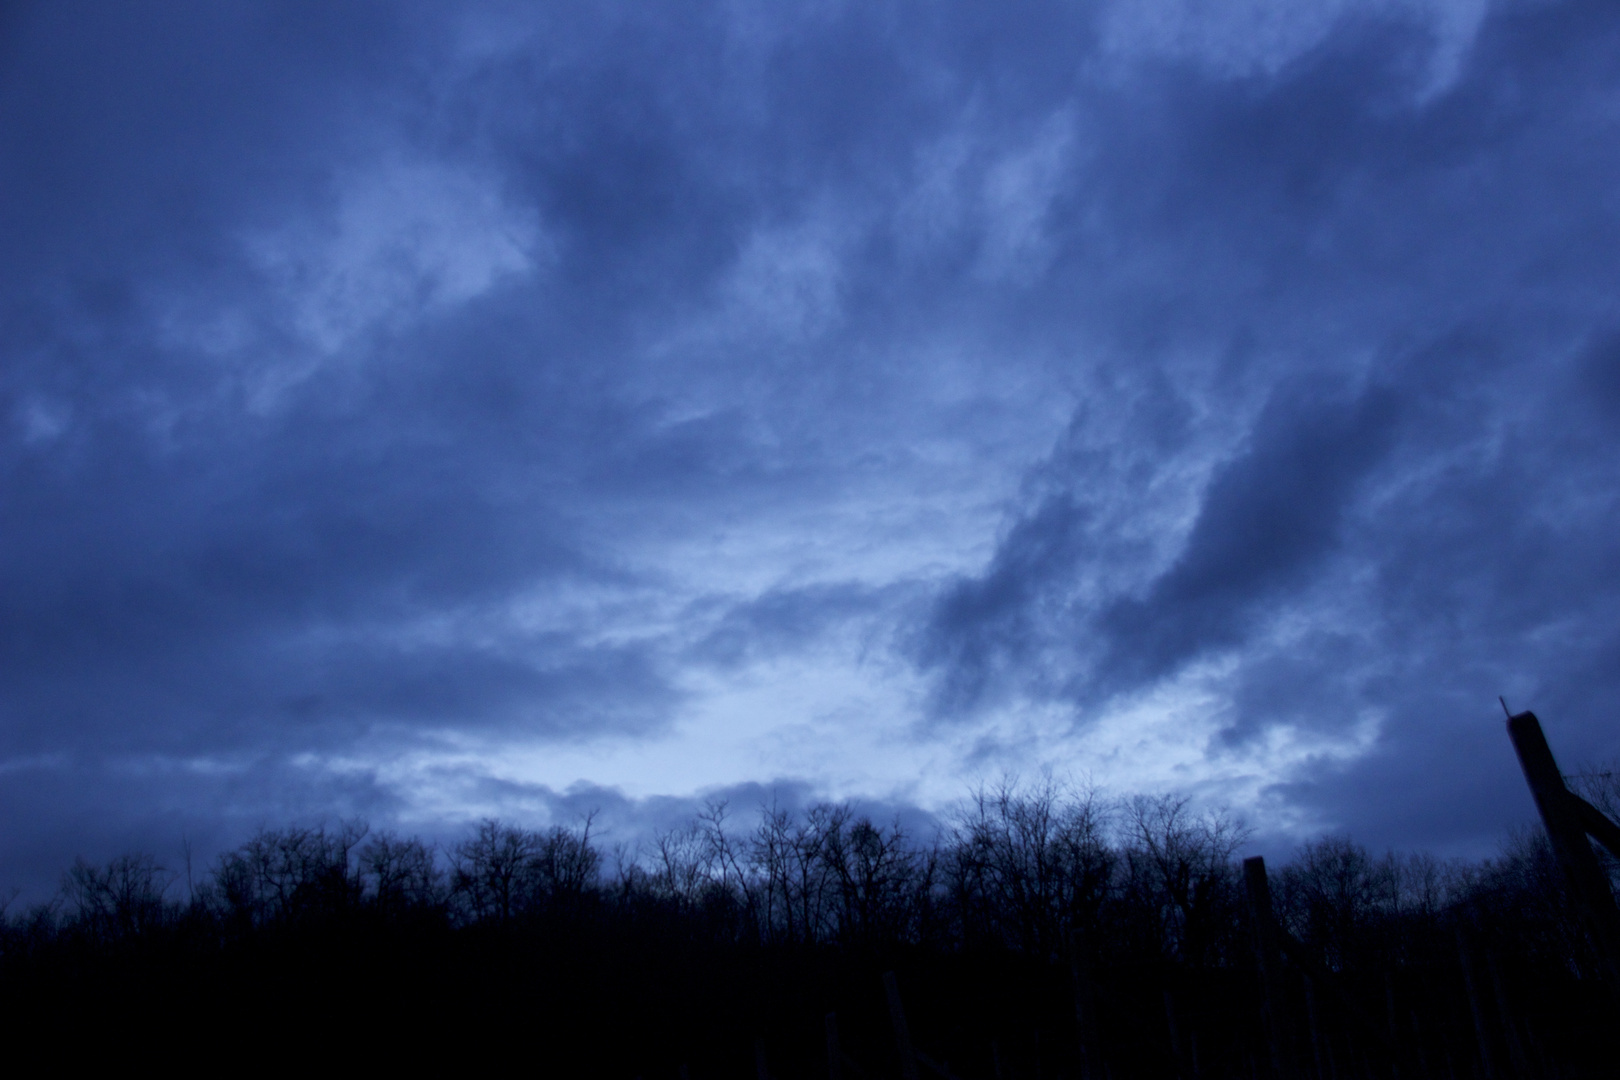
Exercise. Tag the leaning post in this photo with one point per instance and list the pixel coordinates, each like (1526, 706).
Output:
(1561, 815)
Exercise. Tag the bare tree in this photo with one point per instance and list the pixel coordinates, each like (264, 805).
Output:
(124, 898)
(793, 880)
(1025, 863)
(401, 874)
(1334, 893)
(565, 865)
(491, 868)
(883, 881)
(281, 874)
(1179, 869)
(502, 871)
(680, 866)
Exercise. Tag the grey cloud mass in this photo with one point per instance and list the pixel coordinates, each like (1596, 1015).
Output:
(406, 410)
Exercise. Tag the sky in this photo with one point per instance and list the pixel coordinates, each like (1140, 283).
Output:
(426, 412)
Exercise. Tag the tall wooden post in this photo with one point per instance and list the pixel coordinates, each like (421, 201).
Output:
(1087, 1031)
(1562, 816)
(835, 1053)
(1321, 1050)
(1394, 1028)
(1175, 1036)
(1267, 955)
(1476, 1007)
(902, 1033)
(1510, 1027)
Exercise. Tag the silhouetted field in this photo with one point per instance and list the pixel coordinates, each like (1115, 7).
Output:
(1044, 935)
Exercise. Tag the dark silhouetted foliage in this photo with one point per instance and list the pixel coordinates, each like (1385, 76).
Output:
(1045, 932)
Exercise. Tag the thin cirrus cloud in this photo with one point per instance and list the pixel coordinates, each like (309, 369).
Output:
(428, 414)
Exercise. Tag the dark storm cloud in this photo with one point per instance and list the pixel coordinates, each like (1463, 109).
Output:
(187, 576)
(181, 571)
(366, 369)
(1407, 550)
(1267, 519)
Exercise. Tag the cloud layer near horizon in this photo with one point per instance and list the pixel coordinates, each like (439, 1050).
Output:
(426, 413)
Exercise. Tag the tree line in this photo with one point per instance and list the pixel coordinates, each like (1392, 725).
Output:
(1043, 931)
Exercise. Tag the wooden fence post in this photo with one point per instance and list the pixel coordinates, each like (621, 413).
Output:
(1321, 1050)
(1087, 1034)
(1476, 1006)
(1510, 1027)
(1562, 814)
(835, 1062)
(902, 1033)
(1273, 1005)
(1184, 1045)
(1394, 1027)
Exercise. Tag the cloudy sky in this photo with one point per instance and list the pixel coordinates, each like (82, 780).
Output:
(436, 411)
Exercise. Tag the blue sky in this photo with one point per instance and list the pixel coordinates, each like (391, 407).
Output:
(435, 411)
